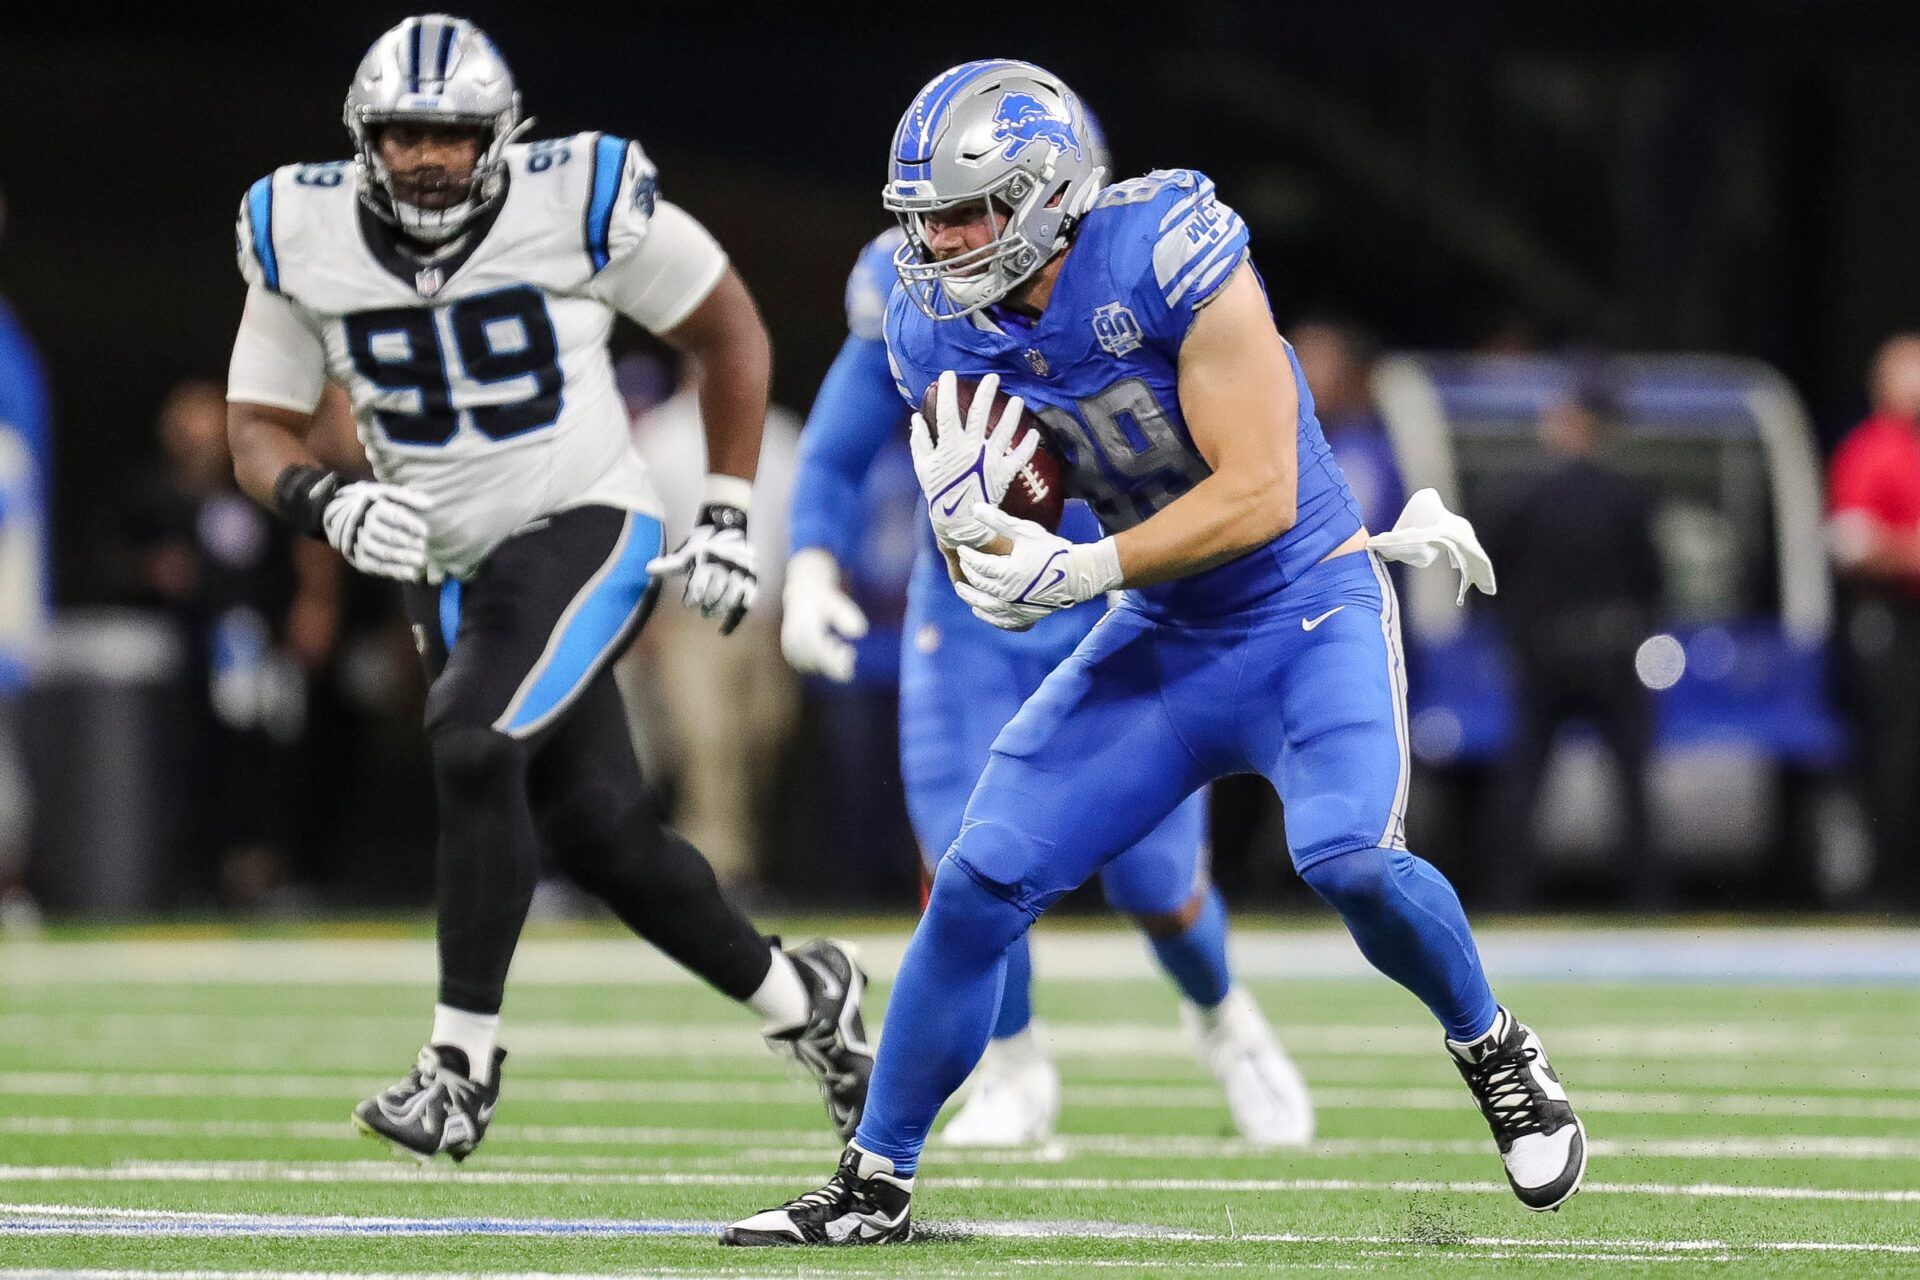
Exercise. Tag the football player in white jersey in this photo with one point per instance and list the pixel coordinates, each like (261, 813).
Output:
(461, 284)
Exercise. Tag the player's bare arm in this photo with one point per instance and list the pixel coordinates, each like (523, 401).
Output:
(276, 380)
(1238, 395)
(265, 441)
(733, 357)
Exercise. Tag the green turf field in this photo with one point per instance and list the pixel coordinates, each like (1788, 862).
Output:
(179, 1105)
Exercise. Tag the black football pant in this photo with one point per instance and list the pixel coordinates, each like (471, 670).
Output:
(529, 744)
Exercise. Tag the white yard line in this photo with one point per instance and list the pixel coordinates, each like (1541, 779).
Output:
(751, 1093)
(386, 1173)
(77, 1219)
(1831, 1054)
(622, 1036)
(740, 1144)
(1083, 1068)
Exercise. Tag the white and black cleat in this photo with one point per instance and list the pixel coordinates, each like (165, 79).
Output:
(1266, 1093)
(863, 1203)
(1542, 1143)
(438, 1109)
(832, 1042)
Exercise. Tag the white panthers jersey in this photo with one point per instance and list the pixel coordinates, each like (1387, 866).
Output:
(480, 377)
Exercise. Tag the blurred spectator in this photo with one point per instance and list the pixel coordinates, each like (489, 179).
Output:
(24, 589)
(729, 704)
(1579, 589)
(257, 608)
(1874, 499)
(1338, 361)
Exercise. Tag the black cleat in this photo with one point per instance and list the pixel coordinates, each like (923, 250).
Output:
(832, 1042)
(436, 1109)
(864, 1203)
(1542, 1143)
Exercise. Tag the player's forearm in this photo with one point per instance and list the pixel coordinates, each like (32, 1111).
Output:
(1238, 394)
(733, 363)
(265, 441)
(1220, 519)
(733, 407)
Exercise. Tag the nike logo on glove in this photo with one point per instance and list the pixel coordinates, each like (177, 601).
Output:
(1308, 624)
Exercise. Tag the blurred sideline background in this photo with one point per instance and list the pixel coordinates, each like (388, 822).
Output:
(1627, 286)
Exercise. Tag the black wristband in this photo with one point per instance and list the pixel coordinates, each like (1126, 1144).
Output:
(722, 516)
(301, 495)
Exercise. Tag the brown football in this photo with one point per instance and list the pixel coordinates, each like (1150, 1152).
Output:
(1039, 492)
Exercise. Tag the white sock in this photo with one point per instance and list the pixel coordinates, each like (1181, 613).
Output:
(471, 1033)
(1023, 1046)
(1496, 1030)
(1231, 1009)
(782, 997)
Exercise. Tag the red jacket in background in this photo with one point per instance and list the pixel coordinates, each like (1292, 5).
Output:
(1876, 474)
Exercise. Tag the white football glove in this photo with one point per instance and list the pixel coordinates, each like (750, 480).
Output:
(718, 562)
(1040, 574)
(380, 529)
(818, 619)
(974, 460)
(1424, 530)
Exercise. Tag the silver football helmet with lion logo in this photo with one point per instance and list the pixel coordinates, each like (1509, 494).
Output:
(433, 70)
(1004, 132)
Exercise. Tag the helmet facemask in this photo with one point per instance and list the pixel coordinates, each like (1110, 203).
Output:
(433, 70)
(1001, 132)
(965, 283)
(485, 184)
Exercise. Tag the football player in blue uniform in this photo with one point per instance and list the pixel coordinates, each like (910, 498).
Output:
(961, 680)
(1259, 632)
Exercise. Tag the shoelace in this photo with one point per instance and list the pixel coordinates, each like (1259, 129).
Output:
(835, 1190)
(457, 1091)
(1509, 1097)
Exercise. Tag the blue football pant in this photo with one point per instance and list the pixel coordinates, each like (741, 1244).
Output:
(1308, 691)
(961, 682)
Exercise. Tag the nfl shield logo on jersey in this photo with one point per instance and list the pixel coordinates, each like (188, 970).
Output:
(428, 280)
(1116, 328)
(1037, 361)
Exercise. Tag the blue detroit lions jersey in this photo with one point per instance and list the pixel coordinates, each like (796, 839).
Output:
(1100, 366)
(853, 418)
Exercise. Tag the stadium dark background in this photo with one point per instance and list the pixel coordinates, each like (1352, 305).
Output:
(1729, 176)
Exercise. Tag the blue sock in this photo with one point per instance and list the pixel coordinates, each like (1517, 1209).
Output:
(940, 1013)
(1016, 995)
(1409, 924)
(1197, 959)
